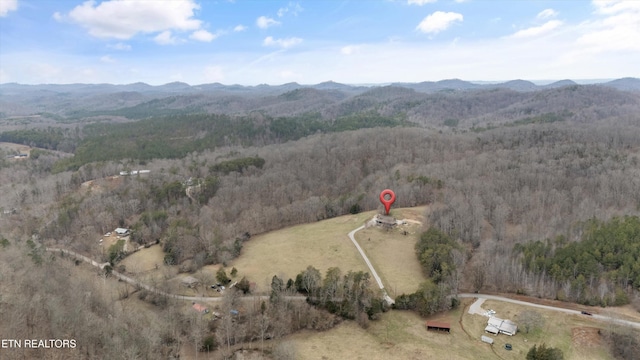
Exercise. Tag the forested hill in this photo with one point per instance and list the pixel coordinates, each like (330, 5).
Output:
(108, 122)
(431, 102)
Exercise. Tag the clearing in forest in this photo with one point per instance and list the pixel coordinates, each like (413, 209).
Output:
(325, 244)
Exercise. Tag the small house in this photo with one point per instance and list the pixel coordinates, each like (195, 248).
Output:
(122, 232)
(385, 221)
(499, 326)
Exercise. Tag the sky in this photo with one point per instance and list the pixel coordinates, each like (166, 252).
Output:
(251, 42)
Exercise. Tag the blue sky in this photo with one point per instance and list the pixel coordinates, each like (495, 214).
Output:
(252, 42)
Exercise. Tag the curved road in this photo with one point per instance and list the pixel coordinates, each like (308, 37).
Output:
(140, 284)
(472, 309)
(481, 297)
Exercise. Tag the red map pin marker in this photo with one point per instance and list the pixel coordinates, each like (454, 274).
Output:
(385, 202)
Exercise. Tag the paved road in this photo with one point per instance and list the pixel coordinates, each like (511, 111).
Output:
(482, 297)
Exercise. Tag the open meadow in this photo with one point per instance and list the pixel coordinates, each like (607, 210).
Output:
(325, 244)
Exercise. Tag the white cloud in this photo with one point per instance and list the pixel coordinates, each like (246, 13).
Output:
(123, 19)
(4, 77)
(6, 6)
(283, 43)
(438, 21)
(288, 74)
(120, 46)
(612, 7)
(547, 13)
(420, 2)
(213, 73)
(203, 35)
(44, 71)
(107, 59)
(617, 28)
(239, 28)
(349, 49)
(166, 38)
(292, 8)
(537, 30)
(264, 22)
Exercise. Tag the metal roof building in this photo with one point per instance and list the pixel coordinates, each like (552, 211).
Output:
(500, 326)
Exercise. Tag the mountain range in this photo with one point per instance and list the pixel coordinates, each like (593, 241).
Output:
(425, 103)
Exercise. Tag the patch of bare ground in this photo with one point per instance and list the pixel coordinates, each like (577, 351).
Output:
(585, 337)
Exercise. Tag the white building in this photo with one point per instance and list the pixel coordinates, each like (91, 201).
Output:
(122, 231)
(499, 326)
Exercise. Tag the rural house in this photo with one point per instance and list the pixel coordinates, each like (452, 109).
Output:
(499, 326)
(122, 231)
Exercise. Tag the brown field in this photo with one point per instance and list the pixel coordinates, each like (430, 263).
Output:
(398, 335)
(23, 149)
(323, 244)
(558, 331)
(144, 260)
(402, 335)
(393, 256)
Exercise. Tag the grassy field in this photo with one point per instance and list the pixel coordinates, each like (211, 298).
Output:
(393, 256)
(398, 334)
(325, 244)
(144, 260)
(402, 335)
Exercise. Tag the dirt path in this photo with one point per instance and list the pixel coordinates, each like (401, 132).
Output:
(351, 235)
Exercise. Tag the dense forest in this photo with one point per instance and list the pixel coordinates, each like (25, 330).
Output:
(534, 193)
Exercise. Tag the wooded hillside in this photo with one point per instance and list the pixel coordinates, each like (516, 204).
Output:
(533, 192)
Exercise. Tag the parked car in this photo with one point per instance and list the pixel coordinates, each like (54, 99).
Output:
(508, 347)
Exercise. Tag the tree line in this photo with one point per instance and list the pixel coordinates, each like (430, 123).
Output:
(598, 269)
